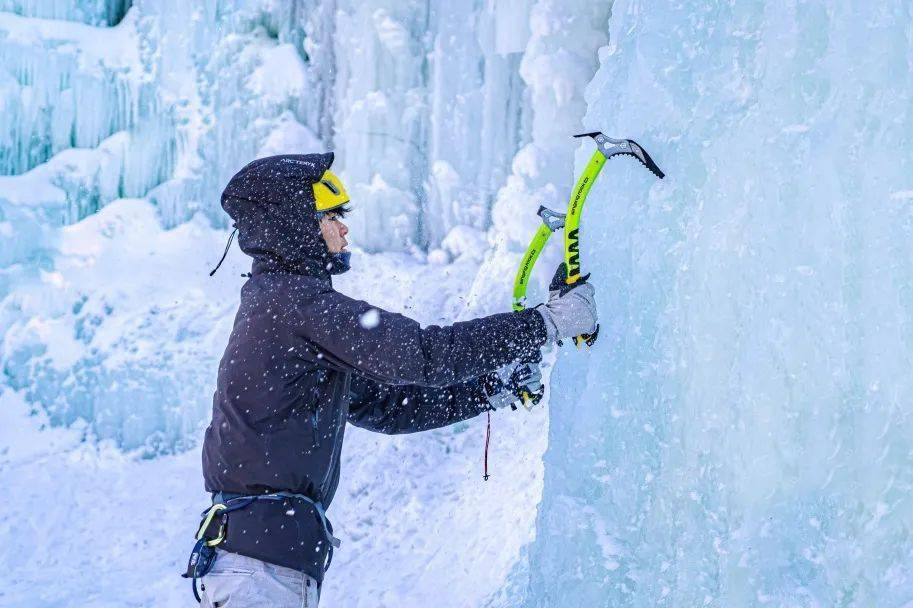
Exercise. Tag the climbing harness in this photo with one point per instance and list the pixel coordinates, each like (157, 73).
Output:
(204, 551)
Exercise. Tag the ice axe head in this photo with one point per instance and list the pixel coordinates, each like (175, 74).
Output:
(552, 219)
(616, 147)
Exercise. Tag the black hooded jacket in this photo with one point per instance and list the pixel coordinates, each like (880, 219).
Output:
(303, 359)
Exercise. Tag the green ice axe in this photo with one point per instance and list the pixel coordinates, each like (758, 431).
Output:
(607, 147)
(551, 221)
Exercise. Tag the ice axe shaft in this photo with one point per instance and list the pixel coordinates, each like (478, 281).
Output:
(551, 222)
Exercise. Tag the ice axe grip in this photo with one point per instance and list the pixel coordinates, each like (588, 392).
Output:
(531, 399)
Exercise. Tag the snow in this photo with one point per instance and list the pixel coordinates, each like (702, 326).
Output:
(902, 195)
(281, 73)
(370, 319)
(95, 48)
(81, 530)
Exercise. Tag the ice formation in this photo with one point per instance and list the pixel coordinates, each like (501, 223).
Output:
(739, 436)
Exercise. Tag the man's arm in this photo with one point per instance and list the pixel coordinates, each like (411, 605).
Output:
(390, 409)
(393, 349)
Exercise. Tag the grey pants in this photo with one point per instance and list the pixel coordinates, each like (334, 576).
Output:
(236, 581)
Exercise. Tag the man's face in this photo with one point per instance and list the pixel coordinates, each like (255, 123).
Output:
(334, 232)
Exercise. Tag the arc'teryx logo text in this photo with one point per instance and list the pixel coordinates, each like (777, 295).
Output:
(295, 161)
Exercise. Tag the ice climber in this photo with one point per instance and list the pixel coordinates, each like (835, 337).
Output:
(303, 360)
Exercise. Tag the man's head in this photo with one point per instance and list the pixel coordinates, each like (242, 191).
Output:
(284, 223)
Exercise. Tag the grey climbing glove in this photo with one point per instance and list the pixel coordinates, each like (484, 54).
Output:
(507, 390)
(571, 309)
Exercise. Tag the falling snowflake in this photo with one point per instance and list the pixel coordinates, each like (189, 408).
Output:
(370, 319)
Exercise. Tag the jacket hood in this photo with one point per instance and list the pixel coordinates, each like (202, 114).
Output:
(272, 204)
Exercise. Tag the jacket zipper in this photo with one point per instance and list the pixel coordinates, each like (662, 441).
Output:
(325, 486)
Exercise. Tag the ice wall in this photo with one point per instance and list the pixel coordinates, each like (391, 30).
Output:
(198, 87)
(739, 436)
(66, 85)
(380, 122)
(424, 102)
(105, 320)
(559, 58)
(240, 82)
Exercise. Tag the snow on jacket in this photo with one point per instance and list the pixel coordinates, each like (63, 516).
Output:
(302, 361)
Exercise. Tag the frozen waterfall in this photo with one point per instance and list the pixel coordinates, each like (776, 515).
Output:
(740, 435)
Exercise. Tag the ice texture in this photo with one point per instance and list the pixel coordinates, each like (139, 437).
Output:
(116, 136)
(66, 85)
(427, 114)
(91, 12)
(740, 433)
(559, 60)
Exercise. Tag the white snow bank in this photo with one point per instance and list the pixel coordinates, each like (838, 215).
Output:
(119, 313)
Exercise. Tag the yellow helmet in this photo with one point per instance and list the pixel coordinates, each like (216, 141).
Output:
(329, 193)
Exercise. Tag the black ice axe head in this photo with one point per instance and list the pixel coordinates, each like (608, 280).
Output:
(616, 147)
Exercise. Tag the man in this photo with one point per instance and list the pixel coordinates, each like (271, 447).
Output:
(303, 360)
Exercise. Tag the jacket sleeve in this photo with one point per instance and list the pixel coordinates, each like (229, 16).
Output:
(391, 409)
(390, 348)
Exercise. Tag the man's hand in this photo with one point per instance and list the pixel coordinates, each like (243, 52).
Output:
(571, 309)
(508, 391)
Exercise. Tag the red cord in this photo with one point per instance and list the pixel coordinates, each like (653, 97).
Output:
(487, 440)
